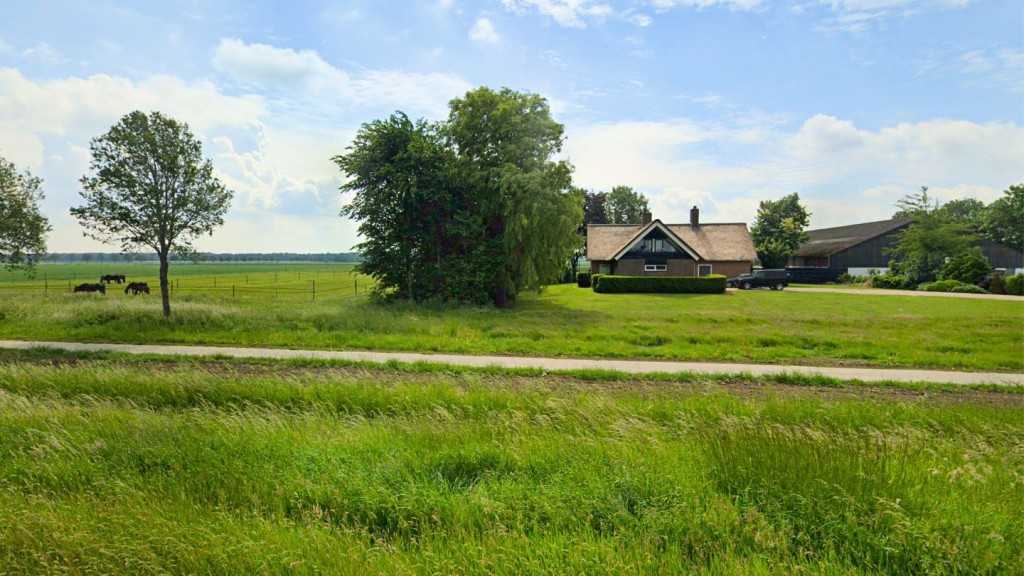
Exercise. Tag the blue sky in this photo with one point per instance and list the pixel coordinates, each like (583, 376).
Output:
(719, 104)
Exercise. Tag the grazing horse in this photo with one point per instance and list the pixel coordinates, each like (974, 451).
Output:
(91, 288)
(108, 278)
(137, 287)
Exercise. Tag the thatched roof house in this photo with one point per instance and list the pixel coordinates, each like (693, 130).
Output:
(654, 248)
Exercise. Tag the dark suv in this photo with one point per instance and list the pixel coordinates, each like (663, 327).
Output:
(774, 279)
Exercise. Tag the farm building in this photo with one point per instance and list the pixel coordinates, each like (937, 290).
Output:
(654, 248)
(860, 248)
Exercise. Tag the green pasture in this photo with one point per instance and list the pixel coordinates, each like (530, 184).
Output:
(740, 326)
(214, 280)
(111, 466)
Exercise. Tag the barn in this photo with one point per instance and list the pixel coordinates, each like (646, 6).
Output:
(858, 249)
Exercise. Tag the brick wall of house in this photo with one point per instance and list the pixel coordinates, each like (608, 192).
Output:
(730, 269)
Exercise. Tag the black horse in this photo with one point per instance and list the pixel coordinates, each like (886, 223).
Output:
(91, 288)
(137, 287)
(108, 278)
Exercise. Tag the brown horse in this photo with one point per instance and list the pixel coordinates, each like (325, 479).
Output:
(91, 288)
(137, 287)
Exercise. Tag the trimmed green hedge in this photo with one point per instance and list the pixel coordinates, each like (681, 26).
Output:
(951, 286)
(605, 284)
(1015, 285)
(583, 280)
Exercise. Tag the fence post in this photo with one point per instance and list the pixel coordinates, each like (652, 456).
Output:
(357, 286)
(232, 290)
(314, 290)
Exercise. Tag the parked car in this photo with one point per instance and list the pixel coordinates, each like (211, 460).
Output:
(774, 279)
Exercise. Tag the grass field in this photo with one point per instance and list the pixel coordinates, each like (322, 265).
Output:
(117, 466)
(754, 326)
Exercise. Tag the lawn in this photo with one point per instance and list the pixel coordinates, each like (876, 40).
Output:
(118, 466)
(751, 326)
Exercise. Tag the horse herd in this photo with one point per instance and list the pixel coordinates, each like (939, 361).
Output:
(135, 288)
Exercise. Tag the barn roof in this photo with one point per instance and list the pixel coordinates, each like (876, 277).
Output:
(712, 242)
(828, 241)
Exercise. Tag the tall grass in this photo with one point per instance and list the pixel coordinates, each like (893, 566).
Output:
(148, 468)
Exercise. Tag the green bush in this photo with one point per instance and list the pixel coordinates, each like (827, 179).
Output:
(997, 285)
(891, 281)
(1015, 285)
(712, 284)
(583, 279)
(951, 286)
(595, 279)
(969, 267)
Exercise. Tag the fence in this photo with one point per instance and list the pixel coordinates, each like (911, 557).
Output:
(226, 287)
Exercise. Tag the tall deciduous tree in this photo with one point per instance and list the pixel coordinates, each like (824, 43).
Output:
(967, 212)
(1004, 218)
(625, 206)
(505, 143)
(150, 186)
(400, 172)
(593, 213)
(779, 230)
(22, 227)
(923, 248)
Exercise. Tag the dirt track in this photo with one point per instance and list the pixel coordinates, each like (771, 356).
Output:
(625, 366)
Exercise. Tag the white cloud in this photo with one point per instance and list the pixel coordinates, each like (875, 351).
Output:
(42, 53)
(859, 16)
(309, 81)
(735, 5)
(483, 31)
(844, 174)
(641, 20)
(567, 13)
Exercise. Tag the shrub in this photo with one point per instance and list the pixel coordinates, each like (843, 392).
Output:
(595, 279)
(969, 267)
(891, 281)
(583, 279)
(712, 284)
(1015, 285)
(951, 286)
(997, 285)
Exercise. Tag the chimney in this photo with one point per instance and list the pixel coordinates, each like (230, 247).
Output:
(694, 217)
(647, 219)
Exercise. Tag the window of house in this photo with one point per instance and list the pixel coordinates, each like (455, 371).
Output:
(703, 269)
(655, 267)
(657, 245)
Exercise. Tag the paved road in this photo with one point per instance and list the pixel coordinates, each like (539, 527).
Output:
(629, 366)
(883, 292)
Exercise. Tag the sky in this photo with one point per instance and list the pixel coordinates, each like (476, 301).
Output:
(718, 104)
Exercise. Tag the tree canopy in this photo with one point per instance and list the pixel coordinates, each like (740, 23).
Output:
(23, 228)
(624, 205)
(931, 240)
(151, 187)
(472, 209)
(778, 230)
(1003, 220)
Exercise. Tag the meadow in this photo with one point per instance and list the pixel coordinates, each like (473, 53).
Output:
(273, 305)
(132, 466)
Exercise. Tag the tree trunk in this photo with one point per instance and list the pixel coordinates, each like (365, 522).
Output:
(500, 297)
(165, 296)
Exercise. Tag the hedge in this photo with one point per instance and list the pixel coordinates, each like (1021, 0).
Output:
(951, 286)
(890, 281)
(605, 284)
(583, 279)
(1015, 285)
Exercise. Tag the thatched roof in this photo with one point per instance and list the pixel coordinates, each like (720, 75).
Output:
(711, 242)
(828, 241)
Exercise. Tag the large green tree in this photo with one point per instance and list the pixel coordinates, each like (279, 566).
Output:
(931, 240)
(506, 143)
(23, 228)
(150, 186)
(1004, 219)
(967, 212)
(406, 201)
(778, 230)
(625, 206)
